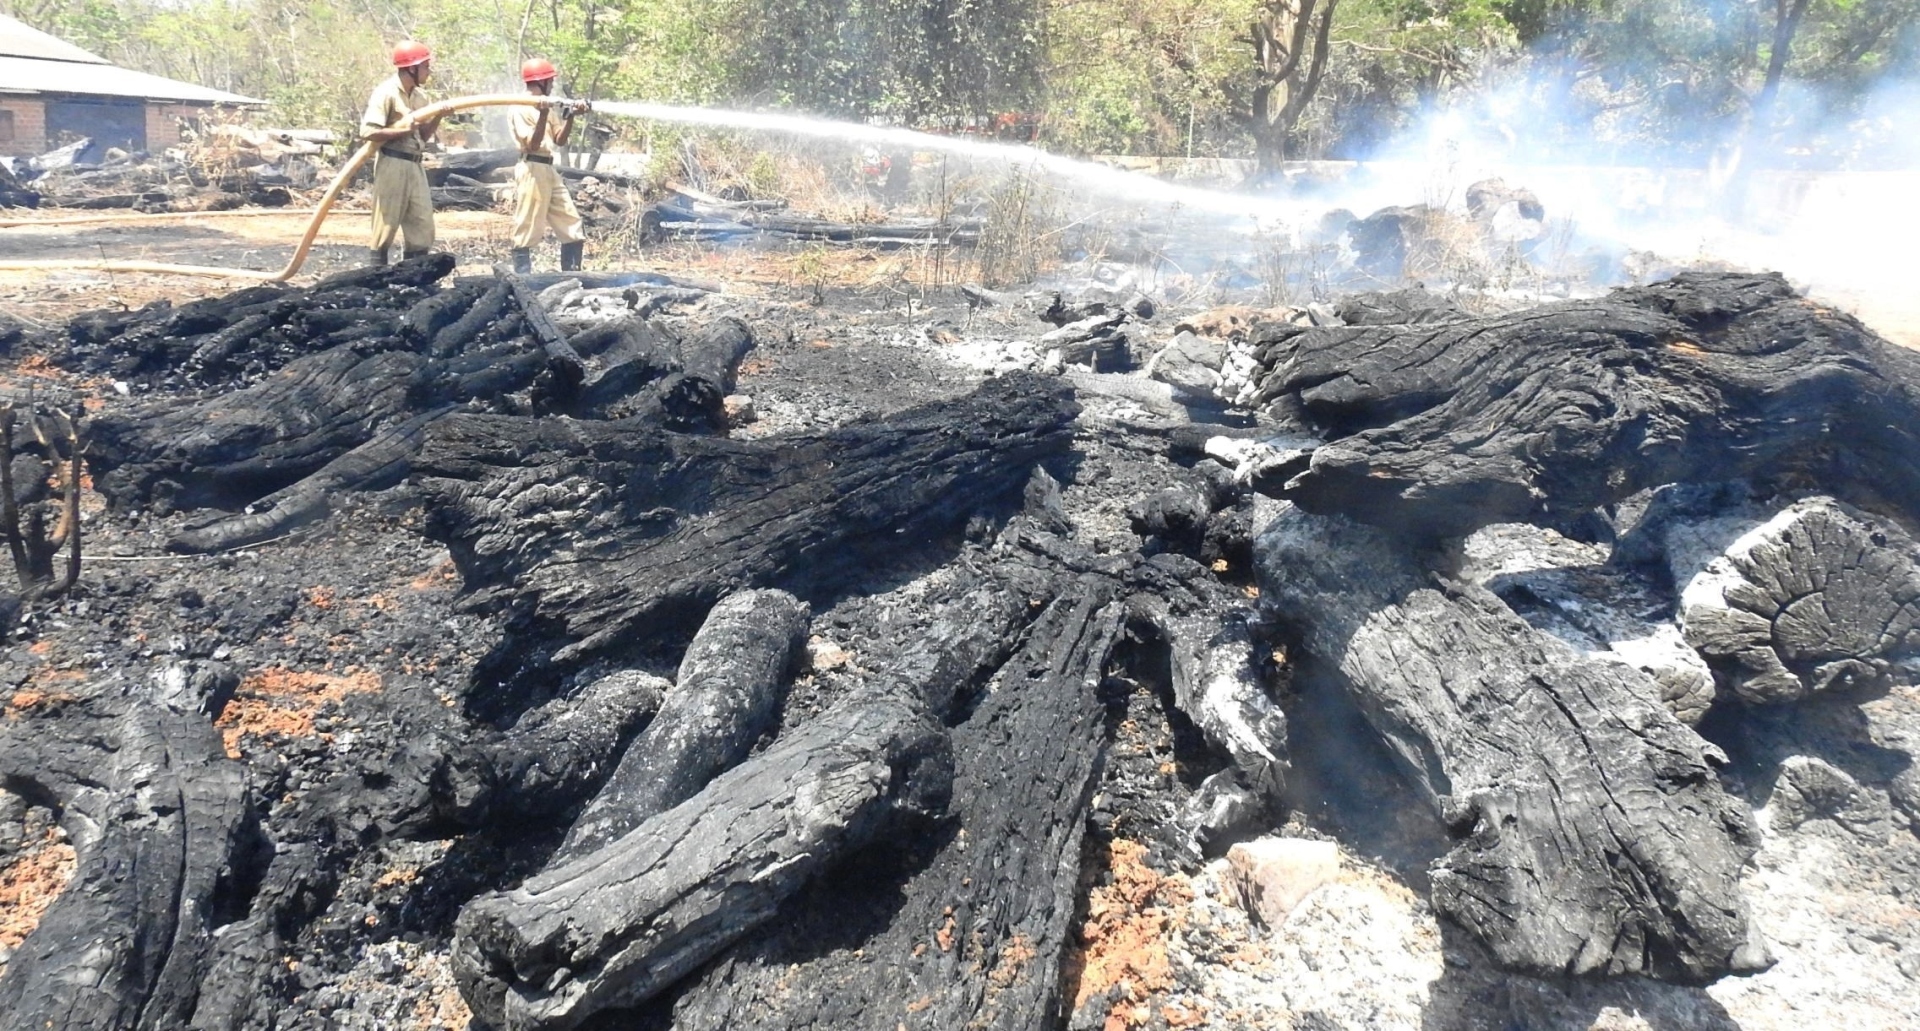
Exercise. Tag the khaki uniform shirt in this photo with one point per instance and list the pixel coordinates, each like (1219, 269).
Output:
(390, 102)
(522, 123)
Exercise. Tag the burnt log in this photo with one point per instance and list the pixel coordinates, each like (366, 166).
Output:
(164, 829)
(1211, 643)
(727, 696)
(978, 935)
(1591, 833)
(469, 343)
(558, 753)
(249, 333)
(240, 446)
(381, 462)
(634, 367)
(1554, 411)
(971, 927)
(475, 165)
(610, 533)
(1819, 597)
(678, 217)
(613, 927)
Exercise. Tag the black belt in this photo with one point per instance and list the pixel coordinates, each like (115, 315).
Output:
(538, 159)
(401, 154)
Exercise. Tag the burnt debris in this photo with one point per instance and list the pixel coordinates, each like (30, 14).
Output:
(817, 727)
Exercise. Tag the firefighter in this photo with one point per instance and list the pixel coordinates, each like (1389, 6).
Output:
(402, 204)
(540, 196)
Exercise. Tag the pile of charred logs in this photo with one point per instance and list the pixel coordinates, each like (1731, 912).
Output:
(146, 182)
(587, 494)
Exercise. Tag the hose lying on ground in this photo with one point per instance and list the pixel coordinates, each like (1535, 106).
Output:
(353, 165)
(137, 217)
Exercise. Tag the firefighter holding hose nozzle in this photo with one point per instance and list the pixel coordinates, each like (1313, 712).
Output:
(402, 203)
(540, 196)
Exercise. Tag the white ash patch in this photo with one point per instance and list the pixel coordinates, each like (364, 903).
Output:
(1358, 951)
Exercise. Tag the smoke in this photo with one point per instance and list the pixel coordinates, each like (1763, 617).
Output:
(1829, 200)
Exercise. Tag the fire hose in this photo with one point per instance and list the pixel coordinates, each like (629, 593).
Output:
(327, 199)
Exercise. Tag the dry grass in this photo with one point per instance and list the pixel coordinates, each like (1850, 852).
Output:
(1020, 238)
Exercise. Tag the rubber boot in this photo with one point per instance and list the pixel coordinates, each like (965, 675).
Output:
(570, 255)
(376, 256)
(522, 261)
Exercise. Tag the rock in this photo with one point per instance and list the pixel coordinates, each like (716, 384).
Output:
(1190, 364)
(740, 411)
(1274, 875)
(823, 655)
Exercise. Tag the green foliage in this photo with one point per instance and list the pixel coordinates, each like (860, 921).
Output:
(1141, 76)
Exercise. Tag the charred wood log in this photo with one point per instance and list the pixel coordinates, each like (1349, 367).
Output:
(557, 754)
(975, 934)
(607, 531)
(1215, 672)
(164, 829)
(727, 696)
(680, 218)
(1096, 341)
(979, 934)
(233, 449)
(477, 165)
(1591, 832)
(1554, 411)
(616, 926)
(1819, 597)
(463, 196)
(633, 367)
(381, 462)
(248, 333)
(468, 343)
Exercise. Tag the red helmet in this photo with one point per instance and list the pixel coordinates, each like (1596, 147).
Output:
(410, 53)
(537, 69)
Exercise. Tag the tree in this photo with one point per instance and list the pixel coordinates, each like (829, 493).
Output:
(1290, 42)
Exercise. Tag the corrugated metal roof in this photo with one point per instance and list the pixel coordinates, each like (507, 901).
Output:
(18, 39)
(20, 75)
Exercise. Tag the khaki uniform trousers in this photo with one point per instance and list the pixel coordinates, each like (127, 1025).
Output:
(402, 204)
(541, 199)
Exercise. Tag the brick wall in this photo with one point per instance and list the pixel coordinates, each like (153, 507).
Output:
(163, 124)
(29, 126)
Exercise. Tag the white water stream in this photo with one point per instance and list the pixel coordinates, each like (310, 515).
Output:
(1846, 236)
(1084, 175)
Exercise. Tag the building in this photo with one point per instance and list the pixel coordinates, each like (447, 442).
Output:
(52, 92)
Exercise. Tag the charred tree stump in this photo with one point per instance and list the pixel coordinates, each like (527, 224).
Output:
(32, 545)
(1592, 834)
(599, 531)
